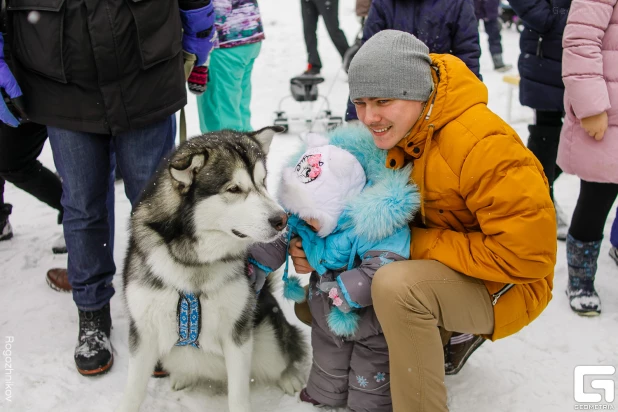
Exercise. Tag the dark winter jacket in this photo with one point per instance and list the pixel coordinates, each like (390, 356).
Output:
(540, 66)
(99, 67)
(486, 9)
(445, 26)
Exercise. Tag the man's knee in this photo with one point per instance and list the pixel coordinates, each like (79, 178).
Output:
(388, 286)
(400, 283)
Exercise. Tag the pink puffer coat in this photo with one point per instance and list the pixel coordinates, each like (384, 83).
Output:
(590, 75)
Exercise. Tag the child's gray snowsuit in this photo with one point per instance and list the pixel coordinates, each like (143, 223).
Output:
(352, 371)
(352, 367)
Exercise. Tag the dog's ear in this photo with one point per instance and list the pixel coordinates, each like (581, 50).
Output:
(265, 136)
(183, 170)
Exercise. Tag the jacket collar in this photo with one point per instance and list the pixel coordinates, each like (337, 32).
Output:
(456, 90)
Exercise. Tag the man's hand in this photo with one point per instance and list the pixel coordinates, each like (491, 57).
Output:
(299, 259)
(595, 125)
(10, 91)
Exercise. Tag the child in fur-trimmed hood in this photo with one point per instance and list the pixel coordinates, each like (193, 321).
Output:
(352, 215)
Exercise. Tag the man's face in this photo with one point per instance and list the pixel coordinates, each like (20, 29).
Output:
(388, 119)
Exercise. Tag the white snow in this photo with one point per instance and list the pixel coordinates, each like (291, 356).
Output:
(530, 371)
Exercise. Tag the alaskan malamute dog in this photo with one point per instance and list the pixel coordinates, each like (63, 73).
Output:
(186, 284)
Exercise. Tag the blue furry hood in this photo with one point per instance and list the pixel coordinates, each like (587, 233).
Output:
(389, 201)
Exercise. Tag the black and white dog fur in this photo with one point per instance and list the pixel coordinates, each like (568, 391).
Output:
(190, 232)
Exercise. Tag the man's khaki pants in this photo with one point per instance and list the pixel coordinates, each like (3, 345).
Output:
(412, 299)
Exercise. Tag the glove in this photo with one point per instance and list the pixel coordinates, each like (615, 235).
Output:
(334, 293)
(198, 79)
(11, 93)
(199, 32)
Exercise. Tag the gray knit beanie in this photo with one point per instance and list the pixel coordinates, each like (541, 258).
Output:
(392, 64)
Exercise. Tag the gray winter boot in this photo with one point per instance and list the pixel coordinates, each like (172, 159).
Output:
(582, 260)
(499, 65)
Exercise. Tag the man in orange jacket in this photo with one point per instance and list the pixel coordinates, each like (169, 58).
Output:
(483, 247)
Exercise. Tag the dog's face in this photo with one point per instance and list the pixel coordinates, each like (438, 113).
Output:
(222, 176)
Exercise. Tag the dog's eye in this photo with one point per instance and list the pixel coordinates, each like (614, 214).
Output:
(234, 189)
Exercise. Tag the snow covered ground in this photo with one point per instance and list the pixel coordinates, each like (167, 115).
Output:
(530, 371)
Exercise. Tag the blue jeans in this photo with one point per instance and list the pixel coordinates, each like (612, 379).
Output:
(85, 162)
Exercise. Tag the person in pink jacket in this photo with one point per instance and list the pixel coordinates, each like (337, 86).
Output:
(589, 139)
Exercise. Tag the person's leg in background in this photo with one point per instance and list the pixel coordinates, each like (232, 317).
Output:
(613, 251)
(219, 106)
(83, 162)
(584, 243)
(492, 28)
(6, 232)
(412, 298)
(310, 14)
(19, 149)
(543, 143)
(253, 51)
(329, 9)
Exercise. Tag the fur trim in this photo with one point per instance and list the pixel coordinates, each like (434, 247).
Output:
(390, 199)
(380, 210)
(293, 290)
(341, 323)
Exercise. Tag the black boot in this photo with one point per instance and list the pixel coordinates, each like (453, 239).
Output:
(6, 232)
(582, 260)
(93, 353)
(458, 350)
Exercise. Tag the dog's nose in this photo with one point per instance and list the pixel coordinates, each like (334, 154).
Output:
(278, 221)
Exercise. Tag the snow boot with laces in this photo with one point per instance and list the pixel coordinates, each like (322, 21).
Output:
(93, 353)
(582, 260)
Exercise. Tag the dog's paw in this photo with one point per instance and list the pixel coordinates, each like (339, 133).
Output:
(180, 382)
(291, 381)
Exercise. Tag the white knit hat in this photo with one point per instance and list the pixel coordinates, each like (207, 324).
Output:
(320, 184)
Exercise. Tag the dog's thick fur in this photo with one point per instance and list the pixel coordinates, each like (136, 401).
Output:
(190, 232)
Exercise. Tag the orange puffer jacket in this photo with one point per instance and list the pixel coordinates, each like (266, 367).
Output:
(486, 207)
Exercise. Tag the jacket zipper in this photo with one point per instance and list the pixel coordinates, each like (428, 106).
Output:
(539, 52)
(501, 292)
